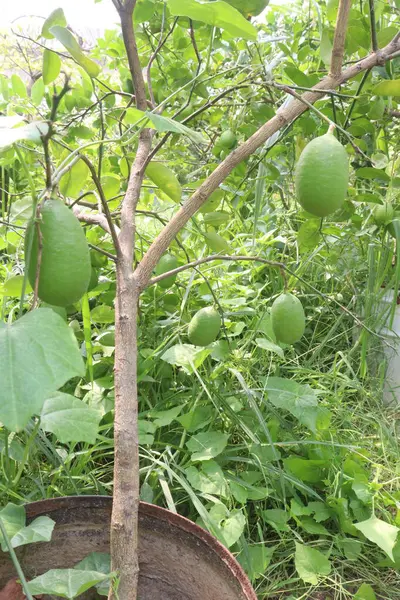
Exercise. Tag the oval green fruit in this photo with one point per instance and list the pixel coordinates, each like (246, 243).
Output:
(227, 139)
(287, 318)
(383, 213)
(322, 175)
(165, 264)
(65, 267)
(204, 327)
(165, 179)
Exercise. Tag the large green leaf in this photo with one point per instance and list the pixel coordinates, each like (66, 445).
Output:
(73, 180)
(67, 583)
(38, 354)
(390, 87)
(51, 66)
(69, 42)
(56, 17)
(311, 564)
(31, 133)
(13, 518)
(218, 13)
(186, 356)
(207, 445)
(299, 400)
(380, 533)
(167, 124)
(70, 419)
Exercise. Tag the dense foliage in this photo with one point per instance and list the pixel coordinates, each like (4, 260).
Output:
(284, 452)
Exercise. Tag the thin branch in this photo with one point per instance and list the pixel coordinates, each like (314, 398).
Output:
(394, 113)
(360, 87)
(277, 265)
(39, 256)
(207, 259)
(135, 68)
(104, 204)
(104, 252)
(284, 116)
(91, 219)
(374, 38)
(161, 43)
(340, 38)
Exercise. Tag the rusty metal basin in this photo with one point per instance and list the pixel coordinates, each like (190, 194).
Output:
(178, 559)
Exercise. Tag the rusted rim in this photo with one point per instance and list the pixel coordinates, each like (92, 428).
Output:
(34, 509)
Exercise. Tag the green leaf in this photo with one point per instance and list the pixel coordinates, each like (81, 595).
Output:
(220, 14)
(163, 418)
(67, 583)
(38, 354)
(40, 530)
(299, 400)
(255, 559)
(386, 35)
(197, 418)
(309, 235)
(18, 86)
(186, 356)
(69, 42)
(13, 287)
(380, 533)
(266, 344)
(325, 48)
(165, 179)
(216, 242)
(209, 444)
(229, 526)
(73, 180)
(365, 592)
(311, 564)
(146, 431)
(312, 527)
(70, 419)
(51, 66)
(56, 17)
(13, 518)
(31, 133)
(390, 87)
(37, 91)
(167, 124)
(209, 478)
(103, 314)
(277, 518)
(310, 471)
(100, 562)
(371, 173)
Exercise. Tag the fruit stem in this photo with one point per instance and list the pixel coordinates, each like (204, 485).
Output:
(331, 128)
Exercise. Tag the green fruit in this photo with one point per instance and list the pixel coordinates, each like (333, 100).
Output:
(204, 327)
(65, 267)
(322, 175)
(165, 179)
(383, 213)
(97, 259)
(94, 280)
(165, 264)
(216, 242)
(227, 140)
(287, 318)
(249, 7)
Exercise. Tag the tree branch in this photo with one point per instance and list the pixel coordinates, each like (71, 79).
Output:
(125, 14)
(91, 219)
(340, 37)
(283, 117)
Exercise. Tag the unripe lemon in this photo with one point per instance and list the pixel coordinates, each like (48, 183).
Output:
(322, 175)
(383, 213)
(249, 7)
(204, 326)
(165, 264)
(287, 318)
(227, 139)
(65, 268)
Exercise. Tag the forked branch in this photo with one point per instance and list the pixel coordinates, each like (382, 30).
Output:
(340, 37)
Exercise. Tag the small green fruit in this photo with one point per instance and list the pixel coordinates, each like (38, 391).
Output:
(383, 213)
(65, 267)
(227, 139)
(204, 327)
(322, 175)
(287, 318)
(165, 264)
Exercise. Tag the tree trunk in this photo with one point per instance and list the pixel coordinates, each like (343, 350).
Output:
(124, 523)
